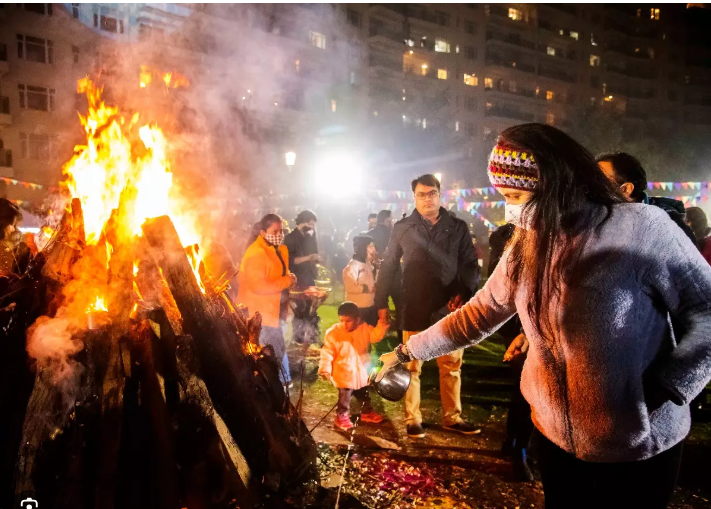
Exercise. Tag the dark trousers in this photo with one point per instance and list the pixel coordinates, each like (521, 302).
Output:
(344, 400)
(519, 426)
(305, 323)
(369, 315)
(570, 482)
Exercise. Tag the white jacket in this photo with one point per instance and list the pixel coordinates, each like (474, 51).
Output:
(355, 275)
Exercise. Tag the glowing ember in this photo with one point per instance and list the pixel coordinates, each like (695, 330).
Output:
(195, 259)
(97, 305)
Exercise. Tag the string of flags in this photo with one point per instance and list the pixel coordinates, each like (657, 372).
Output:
(670, 186)
(26, 185)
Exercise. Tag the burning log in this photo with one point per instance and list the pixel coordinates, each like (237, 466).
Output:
(265, 428)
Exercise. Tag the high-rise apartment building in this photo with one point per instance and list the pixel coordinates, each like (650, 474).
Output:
(462, 73)
(410, 87)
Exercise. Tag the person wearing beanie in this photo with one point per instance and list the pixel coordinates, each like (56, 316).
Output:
(608, 384)
(699, 224)
(359, 280)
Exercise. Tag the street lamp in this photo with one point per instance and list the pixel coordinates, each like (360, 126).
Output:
(290, 159)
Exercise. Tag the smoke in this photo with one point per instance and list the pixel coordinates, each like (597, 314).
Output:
(52, 343)
(257, 89)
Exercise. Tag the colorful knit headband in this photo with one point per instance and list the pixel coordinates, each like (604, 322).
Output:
(512, 168)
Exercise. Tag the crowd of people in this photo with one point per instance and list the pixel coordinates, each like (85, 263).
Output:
(603, 292)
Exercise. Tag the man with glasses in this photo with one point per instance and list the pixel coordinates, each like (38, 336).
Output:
(439, 273)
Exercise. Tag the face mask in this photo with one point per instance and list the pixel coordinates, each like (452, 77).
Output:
(513, 213)
(310, 232)
(307, 229)
(274, 240)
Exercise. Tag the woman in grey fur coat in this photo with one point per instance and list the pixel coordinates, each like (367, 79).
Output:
(594, 280)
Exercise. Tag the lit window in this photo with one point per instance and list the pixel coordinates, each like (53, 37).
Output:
(592, 39)
(488, 83)
(424, 123)
(574, 35)
(317, 39)
(456, 125)
(471, 80)
(442, 74)
(409, 42)
(604, 88)
(550, 51)
(333, 105)
(594, 61)
(424, 69)
(549, 95)
(441, 46)
(550, 118)
(654, 14)
(456, 48)
(639, 13)
(515, 14)
(650, 52)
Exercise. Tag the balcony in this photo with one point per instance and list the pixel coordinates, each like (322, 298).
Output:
(381, 33)
(513, 39)
(528, 94)
(503, 112)
(510, 64)
(557, 75)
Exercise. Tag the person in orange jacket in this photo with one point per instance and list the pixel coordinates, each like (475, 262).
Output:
(264, 283)
(345, 360)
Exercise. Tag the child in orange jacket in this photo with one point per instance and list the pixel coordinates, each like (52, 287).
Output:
(345, 360)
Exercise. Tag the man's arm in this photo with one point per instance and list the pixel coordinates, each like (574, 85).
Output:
(388, 269)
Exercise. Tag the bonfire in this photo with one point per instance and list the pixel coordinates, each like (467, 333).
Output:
(146, 386)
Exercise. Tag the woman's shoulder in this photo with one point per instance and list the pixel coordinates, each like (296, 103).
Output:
(642, 220)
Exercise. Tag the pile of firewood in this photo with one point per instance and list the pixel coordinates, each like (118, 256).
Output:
(174, 404)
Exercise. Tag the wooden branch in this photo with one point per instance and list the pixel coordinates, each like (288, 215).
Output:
(256, 422)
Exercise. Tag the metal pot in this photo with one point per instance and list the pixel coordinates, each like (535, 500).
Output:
(394, 383)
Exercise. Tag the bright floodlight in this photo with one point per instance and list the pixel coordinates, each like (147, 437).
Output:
(290, 159)
(339, 175)
(438, 176)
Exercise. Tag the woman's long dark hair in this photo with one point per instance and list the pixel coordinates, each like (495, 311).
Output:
(572, 199)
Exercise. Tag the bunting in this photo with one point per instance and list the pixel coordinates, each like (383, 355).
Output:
(26, 185)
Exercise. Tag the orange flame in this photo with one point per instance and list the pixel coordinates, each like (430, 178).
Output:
(111, 173)
(97, 305)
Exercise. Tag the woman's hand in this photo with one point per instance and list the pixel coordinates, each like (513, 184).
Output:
(518, 346)
(292, 276)
(389, 360)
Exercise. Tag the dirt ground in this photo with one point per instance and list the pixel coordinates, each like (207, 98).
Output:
(444, 470)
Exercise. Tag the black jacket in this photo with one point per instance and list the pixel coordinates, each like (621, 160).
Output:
(381, 236)
(300, 245)
(438, 262)
(676, 211)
